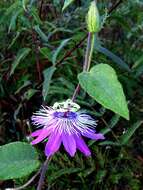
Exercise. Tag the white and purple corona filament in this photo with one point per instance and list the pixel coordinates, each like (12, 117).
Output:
(63, 123)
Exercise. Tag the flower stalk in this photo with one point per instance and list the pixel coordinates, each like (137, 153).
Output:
(87, 61)
(43, 173)
(89, 51)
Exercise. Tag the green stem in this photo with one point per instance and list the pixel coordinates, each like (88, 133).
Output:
(87, 61)
(89, 51)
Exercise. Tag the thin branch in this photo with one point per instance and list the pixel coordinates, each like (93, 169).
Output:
(73, 49)
(27, 183)
(76, 92)
(40, 10)
(43, 173)
(115, 6)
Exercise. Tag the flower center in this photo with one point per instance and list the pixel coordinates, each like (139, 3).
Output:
(67, 115)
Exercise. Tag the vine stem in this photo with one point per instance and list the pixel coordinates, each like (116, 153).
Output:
(27, 183)
(87, 61)
(43, 173)
(76, 92)
(89, 51)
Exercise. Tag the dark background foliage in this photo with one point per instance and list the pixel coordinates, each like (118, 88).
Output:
(42, 49)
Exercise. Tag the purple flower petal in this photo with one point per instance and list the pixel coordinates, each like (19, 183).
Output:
(80, 144)
(36, 133)
(53, 144)
(44, 134)
(69, 143)
(94, 136)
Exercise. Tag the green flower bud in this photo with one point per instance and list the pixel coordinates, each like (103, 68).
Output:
(93, 18)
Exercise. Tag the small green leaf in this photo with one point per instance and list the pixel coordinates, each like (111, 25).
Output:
(34, 13)
(13, 20)
(101, 84)
(57, 51)
(22, 53)
(14, 39)
(109, 143)
(138, 62)
(41, 33)
(48, 73)
(24, 4)
(130, 131)
(29, 94)
(17, 159)
(46, 52)
(66, 4)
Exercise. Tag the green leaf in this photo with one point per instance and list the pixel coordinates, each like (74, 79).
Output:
(138, 62)
(41, 33)
(101, 84)
(14, 39)
(128, 134)
(10, 10)
(109, 143)
(46, 52)
(22, 53)
(29, 94)
(56, 53)
(48, 73)
(100, 175)
(24, 4)
(66, 4)
(34, 13)
(17, 159)
(139, 71)
(113, 57)
(13, 20)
